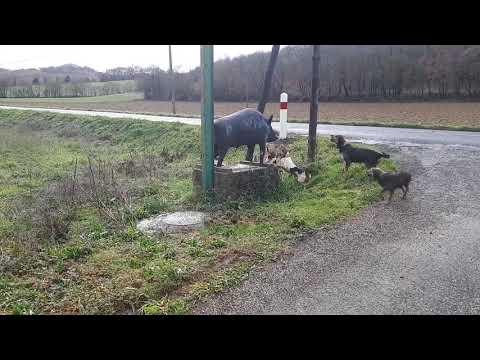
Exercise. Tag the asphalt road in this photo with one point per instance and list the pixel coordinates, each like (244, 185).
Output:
(364, 133)
(415, 256)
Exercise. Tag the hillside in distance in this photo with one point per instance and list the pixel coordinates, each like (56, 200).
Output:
(51, 74)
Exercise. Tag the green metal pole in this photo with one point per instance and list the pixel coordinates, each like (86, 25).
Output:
(206, 56)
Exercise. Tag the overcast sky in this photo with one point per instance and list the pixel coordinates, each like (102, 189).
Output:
(103, 57)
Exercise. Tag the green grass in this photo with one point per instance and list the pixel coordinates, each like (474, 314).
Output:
(29, 161)
(101, 264)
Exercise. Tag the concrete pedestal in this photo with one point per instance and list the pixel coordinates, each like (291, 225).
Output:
(244, 178)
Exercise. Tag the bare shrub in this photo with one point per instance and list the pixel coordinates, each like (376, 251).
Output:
(53, 217)
(110, 187)
(69, 132)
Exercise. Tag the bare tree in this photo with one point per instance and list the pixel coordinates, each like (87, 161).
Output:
(172, 80)
(312, 128)
(268, 78)
(246, 91)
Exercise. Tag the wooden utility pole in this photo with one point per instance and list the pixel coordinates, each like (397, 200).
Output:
(172, 80)
(312, 128)
(268, 78)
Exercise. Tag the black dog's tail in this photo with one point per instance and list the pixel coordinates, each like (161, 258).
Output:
(386, 156)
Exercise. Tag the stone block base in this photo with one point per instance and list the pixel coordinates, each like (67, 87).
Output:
(244, 178)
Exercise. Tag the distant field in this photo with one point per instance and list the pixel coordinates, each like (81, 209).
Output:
(62, 102)
(407, 114)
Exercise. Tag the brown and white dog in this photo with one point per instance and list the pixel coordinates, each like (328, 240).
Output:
(278, 155)
(276, 151)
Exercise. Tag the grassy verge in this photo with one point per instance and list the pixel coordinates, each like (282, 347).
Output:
(73, 187)
(436, 116)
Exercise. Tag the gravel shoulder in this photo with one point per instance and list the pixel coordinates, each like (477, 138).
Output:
(417, 256)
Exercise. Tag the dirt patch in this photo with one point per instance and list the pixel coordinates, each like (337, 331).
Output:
(231, 256)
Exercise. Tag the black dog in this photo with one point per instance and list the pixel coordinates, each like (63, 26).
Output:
(351, 154)
(370, 158)
(338, 140)
(391, 181)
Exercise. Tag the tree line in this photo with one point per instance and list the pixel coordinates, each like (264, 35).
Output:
(57, 90)
(347, 73)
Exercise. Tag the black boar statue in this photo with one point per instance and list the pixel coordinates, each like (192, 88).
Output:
(245, 127)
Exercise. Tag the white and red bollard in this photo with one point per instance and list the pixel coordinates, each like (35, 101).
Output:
(283, 115)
